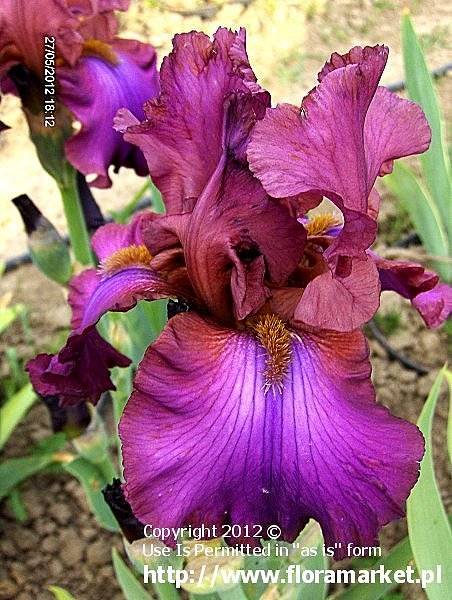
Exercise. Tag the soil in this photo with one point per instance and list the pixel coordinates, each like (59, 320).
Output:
(61, 543)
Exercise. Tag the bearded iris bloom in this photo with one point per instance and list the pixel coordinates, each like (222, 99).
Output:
(255, 406)
(96, 74)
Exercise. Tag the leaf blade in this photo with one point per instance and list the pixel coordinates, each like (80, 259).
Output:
(428, 527)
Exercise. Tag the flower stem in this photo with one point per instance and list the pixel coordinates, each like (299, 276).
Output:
(78, 232)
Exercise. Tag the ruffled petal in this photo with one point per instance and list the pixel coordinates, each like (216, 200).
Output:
(432, 299)
(94, 90)
(80, 372)
(197, 115)
(346, 134)
(434, 306)
(114, 236)
(23, 29)
(204, 444)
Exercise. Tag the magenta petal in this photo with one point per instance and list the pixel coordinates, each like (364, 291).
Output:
(94, 91)
(434, 306)
(188, 127)
(433, 300)
(202, 443)
(79, 372)
(237, 235)
(346, 133)
(121, 292)
(23, 28)
(341, 303)
(112, 237)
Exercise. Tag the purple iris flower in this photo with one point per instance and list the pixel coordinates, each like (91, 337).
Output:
(255, 406)
(97, 73)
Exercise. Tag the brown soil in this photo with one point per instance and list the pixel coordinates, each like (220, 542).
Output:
(61, 544)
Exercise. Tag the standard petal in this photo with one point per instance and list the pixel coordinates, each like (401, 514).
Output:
(94, 90)
(346, 133)
(188, 126)
(80, 372)
(203, 443)
(22, 33)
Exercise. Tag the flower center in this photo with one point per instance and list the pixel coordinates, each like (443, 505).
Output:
(273, 335)
(131, 256)
(320, 223)
(100, 49)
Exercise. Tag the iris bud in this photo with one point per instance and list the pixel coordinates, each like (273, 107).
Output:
(72, 420)
(47, 249)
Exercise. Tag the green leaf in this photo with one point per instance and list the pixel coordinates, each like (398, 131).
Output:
(60, 594)
(9, 314)
(93, 481)
(130, 585)
(419, 83)
(397, 558)
(428, 527)
(14, 410)
(423, 212)
(310, 537)
(16, 505)
(449, 418)
(15, 470)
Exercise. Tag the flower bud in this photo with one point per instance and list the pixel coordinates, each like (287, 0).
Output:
(72, 420)
(212, 568)
(47, 249)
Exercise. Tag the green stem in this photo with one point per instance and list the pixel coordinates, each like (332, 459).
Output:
(78, 232)
(107, 468)
(166, 591)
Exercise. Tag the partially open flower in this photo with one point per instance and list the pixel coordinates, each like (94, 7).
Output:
(96, 74)
(255, 405)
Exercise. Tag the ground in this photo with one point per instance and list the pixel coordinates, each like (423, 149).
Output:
(60, 543)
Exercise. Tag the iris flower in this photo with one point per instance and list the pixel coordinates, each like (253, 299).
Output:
(96, 74)
(255, 406)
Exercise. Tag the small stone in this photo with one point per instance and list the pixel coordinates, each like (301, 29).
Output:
(50, 544)
(27, 540)
(62, 514)
(89, 533)
(56, 568)
(72, 548)
(8, 589)
(19, 572)
(45, 527)
(8, 549)
(34, 504)
(99, 553)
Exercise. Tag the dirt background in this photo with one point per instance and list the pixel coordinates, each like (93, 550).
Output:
(288, 41)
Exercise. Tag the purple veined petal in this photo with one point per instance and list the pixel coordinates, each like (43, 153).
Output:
(188, 127)
(94, 91)
(80, 372)
(203, 443)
